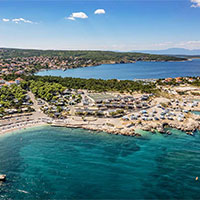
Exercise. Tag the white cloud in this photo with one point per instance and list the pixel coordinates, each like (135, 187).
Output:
(71, 18)
(5, 20)
(196, 3)
(18, 20)
(80, 15)
(99, 11)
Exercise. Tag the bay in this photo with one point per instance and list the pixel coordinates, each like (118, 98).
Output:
(130, 71)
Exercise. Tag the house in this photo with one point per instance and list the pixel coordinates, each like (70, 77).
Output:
(162, 117)
(133, 117)
(170, 118)
(167, 80)
(185, 111)
(25, 109)
(9, 83)
(56, 114)
(156, 118)
(19, 72)
(191, 80)
(125, 118)
(60, 103)
(45, 108)
(178, 79)
(180, 119)
(16, 101)
(85, 102)
(67, 91)
(18, 80)
(144, 97)
(143, 111)
(2, 81)
(11, 111)
(40, 102)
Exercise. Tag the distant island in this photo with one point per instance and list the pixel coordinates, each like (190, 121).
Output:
(172, 51)
(28, 61)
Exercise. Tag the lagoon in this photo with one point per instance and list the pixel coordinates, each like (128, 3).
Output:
(130, 71)
(62, 163)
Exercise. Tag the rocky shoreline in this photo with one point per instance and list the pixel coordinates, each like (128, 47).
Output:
(159, 128)
(163, 128)
(124, 132)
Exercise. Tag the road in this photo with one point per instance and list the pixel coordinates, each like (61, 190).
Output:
(38, 113)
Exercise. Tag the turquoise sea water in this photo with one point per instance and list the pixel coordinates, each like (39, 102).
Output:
(139, 70)
(61, 163)
(196, 112)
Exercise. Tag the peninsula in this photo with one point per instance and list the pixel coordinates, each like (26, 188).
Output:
(24, 61)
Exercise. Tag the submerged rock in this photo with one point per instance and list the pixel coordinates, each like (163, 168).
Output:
(190, 133)
(147, 128)
(169, 132)
(153, 130)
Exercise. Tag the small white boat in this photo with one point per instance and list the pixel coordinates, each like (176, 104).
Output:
(23, 191)
(2, 177)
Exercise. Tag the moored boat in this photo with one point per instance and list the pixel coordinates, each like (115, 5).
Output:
(2, 177)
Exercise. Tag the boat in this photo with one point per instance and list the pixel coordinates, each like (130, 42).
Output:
(2, 177)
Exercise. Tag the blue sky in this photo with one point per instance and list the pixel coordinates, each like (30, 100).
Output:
(125, 25)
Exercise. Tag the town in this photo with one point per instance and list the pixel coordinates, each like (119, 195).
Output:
(19, 61)
(29, 65)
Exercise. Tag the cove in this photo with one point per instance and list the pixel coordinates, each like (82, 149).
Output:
(63, 163)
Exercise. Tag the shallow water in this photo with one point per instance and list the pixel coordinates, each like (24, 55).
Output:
(130, 71)
(196, 112)
(62, 163)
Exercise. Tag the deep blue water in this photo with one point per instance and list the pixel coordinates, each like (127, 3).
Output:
(139, 70)
(61, 163)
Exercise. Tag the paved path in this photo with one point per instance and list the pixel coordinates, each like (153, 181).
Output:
(38, 113)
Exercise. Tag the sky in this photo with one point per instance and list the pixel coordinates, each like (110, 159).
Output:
(120, 25)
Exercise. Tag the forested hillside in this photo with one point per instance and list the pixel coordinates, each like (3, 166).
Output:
(97, 56)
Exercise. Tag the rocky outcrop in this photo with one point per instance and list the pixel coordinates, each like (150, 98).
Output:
(189, 126)
(161, 130)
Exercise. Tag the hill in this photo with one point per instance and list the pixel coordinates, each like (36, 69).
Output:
(97, 56)
(172, 51)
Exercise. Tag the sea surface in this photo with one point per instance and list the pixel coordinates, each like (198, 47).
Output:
(130, 71)
(196, 112)
(62, 163)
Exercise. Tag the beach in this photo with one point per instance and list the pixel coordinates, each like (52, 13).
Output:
(187, 122)
(20, 122)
